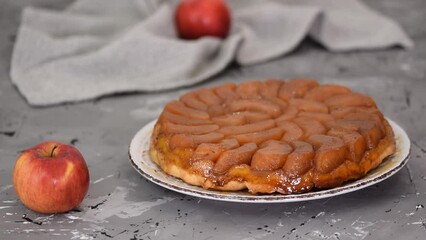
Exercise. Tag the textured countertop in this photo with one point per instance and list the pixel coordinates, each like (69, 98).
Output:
(123, 205)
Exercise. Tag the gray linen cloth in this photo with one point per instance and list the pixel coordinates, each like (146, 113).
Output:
(101, 47)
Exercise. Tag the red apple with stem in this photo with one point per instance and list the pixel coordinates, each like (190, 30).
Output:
(51, 177)
(199, 18)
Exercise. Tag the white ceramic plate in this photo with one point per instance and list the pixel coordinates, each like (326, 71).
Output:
(141, 161)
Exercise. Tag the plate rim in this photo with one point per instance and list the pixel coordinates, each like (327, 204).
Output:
(184, 188)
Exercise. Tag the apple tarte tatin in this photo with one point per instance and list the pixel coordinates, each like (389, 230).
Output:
(271, 136)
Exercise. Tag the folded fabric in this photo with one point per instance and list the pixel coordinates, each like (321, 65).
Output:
(101, 47)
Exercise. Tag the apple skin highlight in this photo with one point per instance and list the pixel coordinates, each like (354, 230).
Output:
(51, 177)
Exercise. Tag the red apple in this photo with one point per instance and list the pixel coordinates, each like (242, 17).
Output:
(51, 177)
(198, 18)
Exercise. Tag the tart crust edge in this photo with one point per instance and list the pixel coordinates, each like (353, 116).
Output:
(370, 160)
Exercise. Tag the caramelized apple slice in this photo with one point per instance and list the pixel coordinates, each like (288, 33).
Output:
(255, 105)
(376, 118)
(259, 137)
(323, 92)
(229, 120)
(230, 158)
(309, 105)
(331, 152)
(353, 140)
(248, 89)
(350, 99)
(178, 119)
(248, 128)
(321, 117)
(271, 157)
(364, 115)
(252, 117)
(189, 140)
(208, 96)
(190, 99)
(216, 110)
(369, 130)
(269, 89)
(283, 104)
(310, 126)
(169, 127)
(226, 91)
(292, 131)
(342, 111)
(211, 151)
(300, 160)
(296, 88)
(341, 124)
(289, 113)
(179, 108)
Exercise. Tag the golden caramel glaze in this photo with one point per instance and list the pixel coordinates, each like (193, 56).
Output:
(271, 136)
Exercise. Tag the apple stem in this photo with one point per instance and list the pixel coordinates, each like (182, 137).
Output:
(53, 149)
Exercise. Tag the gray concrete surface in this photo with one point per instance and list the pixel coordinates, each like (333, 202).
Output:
(123, 205)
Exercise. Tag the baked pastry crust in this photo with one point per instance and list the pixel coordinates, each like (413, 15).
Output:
(271, 136)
